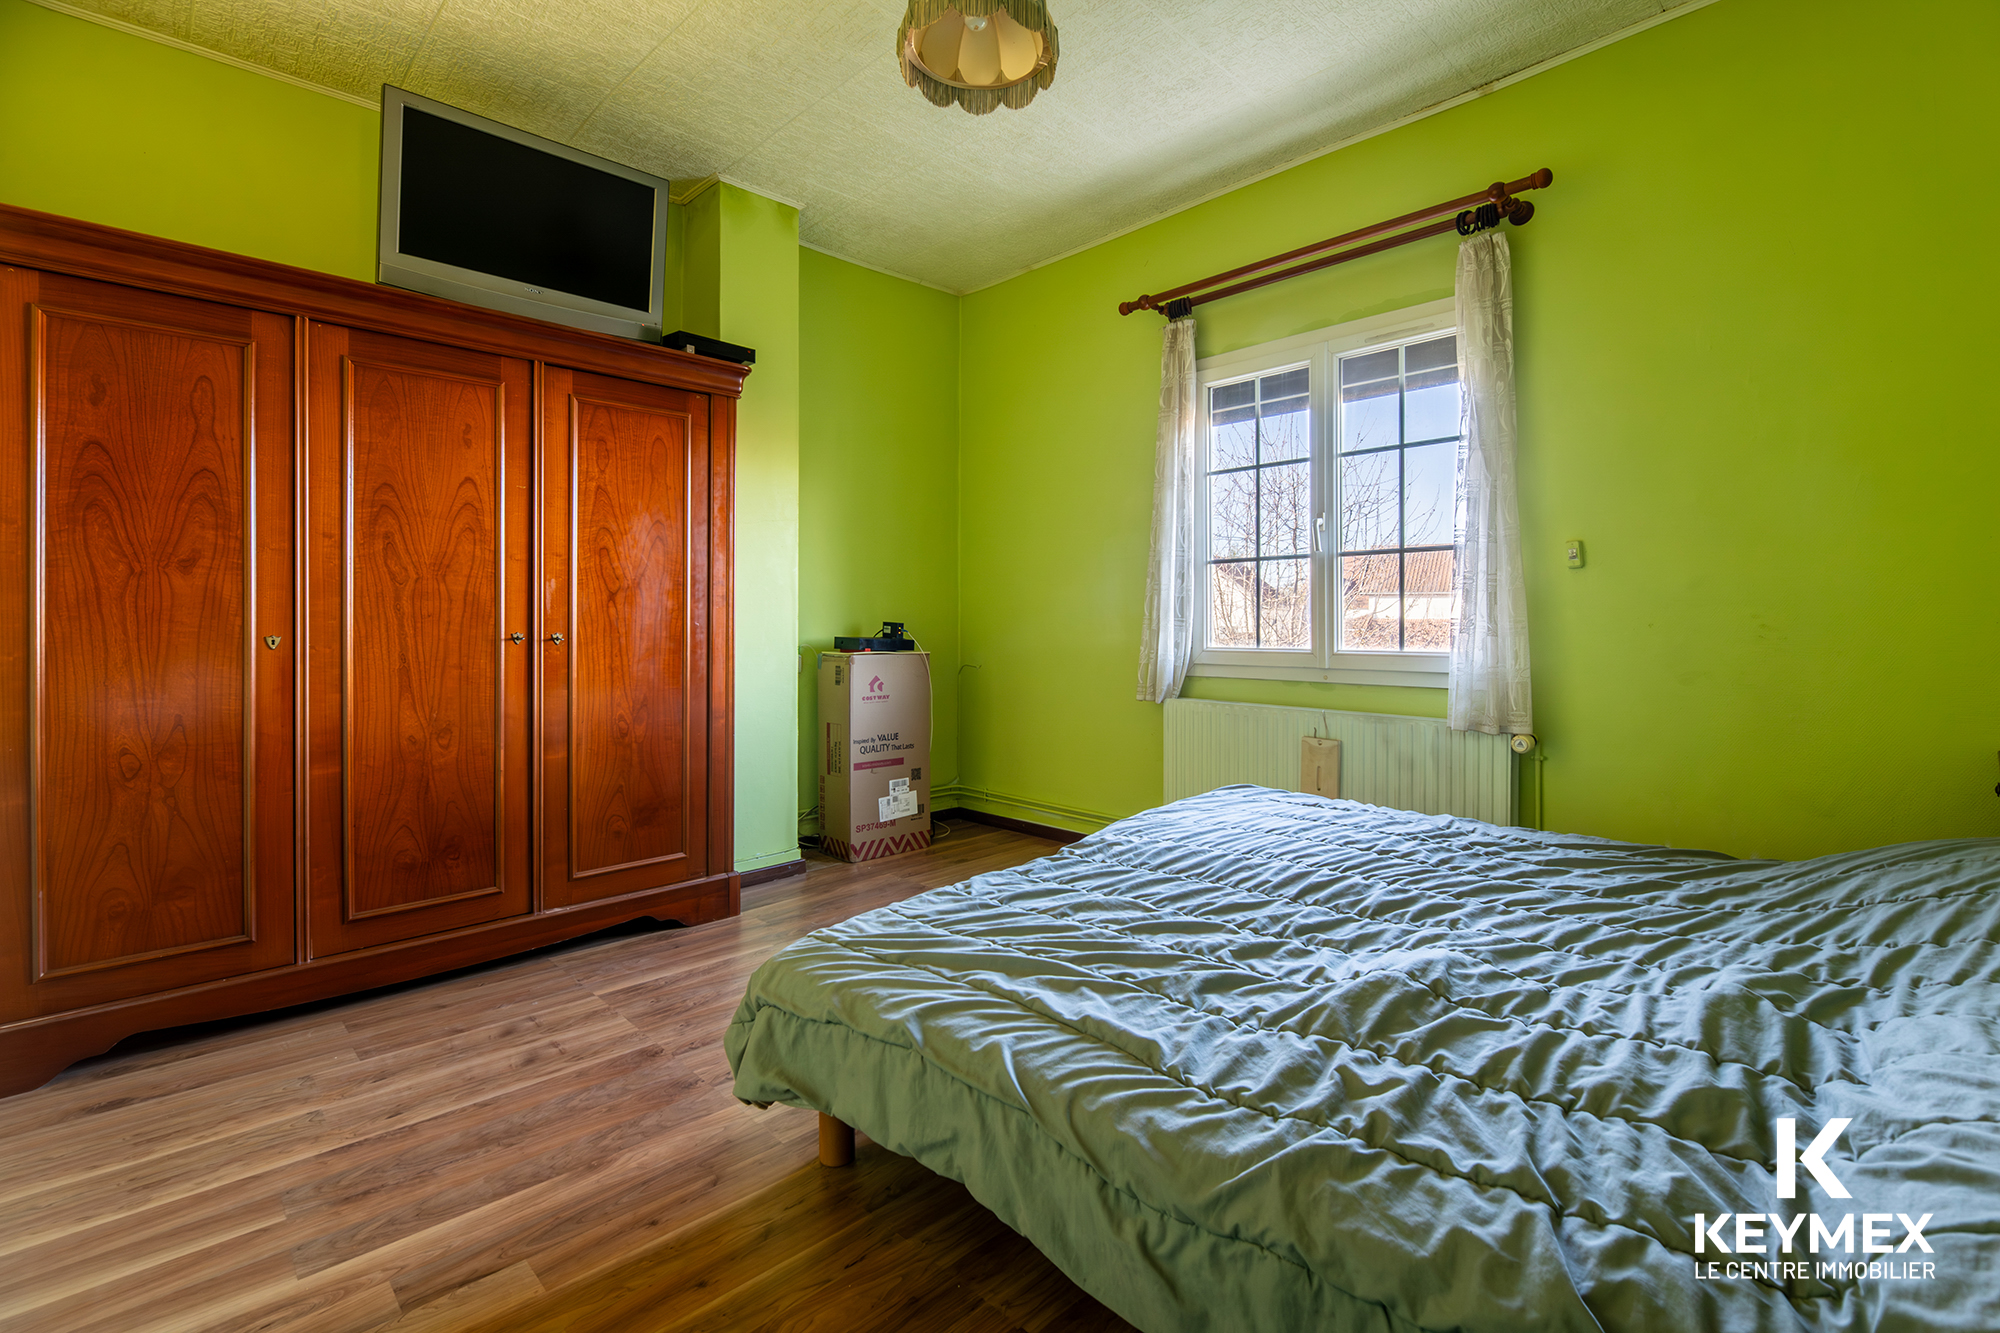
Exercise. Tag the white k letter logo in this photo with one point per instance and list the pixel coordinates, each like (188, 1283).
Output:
(1814, 1158)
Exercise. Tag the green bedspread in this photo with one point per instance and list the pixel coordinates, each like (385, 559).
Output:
(1261, 1061)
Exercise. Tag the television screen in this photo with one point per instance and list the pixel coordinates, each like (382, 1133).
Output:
(484, 213)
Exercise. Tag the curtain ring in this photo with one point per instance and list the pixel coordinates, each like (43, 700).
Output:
(1478, 219)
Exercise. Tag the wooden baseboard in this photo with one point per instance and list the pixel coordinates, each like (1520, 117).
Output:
(783, 870)
(1033, 830)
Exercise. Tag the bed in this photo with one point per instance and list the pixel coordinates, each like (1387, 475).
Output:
(1263, 1061)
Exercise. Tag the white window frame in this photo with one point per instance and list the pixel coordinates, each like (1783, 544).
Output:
(1321, 350)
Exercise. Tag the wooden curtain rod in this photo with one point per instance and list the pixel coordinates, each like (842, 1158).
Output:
(1499, 196)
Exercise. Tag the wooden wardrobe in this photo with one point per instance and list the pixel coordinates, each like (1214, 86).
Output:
(346, 636)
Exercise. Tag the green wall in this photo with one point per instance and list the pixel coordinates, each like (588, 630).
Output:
(1753, 350)
(112, 128)
(741, 283)
(878, 484)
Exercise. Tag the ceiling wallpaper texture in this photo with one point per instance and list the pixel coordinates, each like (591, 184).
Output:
(1154, 106)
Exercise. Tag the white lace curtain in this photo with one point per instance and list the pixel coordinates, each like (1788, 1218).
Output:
(1166, 643)
(1489, 645)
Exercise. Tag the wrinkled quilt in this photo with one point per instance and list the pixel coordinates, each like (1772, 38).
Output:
(1262, 1061)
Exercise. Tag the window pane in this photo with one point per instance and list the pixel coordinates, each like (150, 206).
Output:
(1368, 601)
(1431, 413)
(1286, 430)
(1287, 594)
(1288, 384)
(1231, 612)
(1233, 402)
(1232, 508)
(1430, 494)
(1435, 354)
(1370, 366)
(1232, 444)
(1427, 601)
(1368, 500)
(1370, 422)
(1287, 510)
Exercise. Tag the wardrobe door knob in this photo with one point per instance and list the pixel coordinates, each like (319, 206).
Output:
(556, 637)
(517, 637)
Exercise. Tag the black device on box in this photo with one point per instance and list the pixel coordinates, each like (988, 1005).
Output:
(890, 640)
(683, 341)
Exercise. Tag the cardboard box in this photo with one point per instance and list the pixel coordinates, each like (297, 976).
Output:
(874, 754)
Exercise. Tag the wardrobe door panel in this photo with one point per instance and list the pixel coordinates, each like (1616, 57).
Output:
(419, 458)
(624, 691)
(152, 727)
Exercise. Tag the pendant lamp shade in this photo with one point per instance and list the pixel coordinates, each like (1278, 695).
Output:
(980, 54)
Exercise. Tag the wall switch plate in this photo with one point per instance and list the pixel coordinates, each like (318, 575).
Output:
(1573, 552)
(1319, 765)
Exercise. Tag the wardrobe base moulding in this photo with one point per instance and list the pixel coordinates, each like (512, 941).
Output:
(35, 1051)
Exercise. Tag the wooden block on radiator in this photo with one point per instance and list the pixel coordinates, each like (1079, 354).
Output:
(1319, 765)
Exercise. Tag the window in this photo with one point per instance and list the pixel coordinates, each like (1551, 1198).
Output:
(1329, 503)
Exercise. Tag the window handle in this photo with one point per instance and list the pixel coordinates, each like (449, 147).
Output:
(1319, 534)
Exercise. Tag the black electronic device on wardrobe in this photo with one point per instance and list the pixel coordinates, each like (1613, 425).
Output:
(683, 341)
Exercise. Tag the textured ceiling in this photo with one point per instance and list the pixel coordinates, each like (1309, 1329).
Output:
(1154, 106)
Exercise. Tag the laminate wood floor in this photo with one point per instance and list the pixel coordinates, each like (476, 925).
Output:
(543, 1144)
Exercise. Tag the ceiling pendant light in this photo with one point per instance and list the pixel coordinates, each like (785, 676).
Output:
(980, 54)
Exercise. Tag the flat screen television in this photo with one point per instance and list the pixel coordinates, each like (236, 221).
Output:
(484, 213)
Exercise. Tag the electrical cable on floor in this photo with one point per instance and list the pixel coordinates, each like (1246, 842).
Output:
(939, 832)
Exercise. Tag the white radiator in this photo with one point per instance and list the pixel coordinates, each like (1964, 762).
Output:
(1408, 763)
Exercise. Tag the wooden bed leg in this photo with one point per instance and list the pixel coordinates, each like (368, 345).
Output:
(836, 1142)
